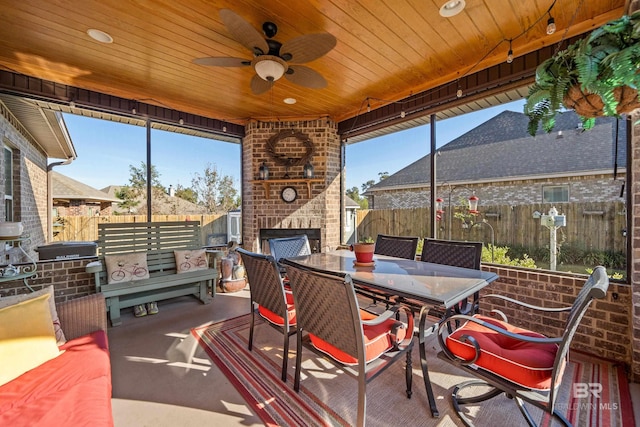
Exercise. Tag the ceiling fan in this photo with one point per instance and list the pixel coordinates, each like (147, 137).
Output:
(272, 59)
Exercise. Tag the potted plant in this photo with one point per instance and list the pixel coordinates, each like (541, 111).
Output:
(596, 76)
(364, 250)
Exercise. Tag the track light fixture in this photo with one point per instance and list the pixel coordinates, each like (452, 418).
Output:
(510, 53)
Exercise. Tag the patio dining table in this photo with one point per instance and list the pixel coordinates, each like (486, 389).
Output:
(417, 281)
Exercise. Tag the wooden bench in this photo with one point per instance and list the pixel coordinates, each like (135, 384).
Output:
(158, 240)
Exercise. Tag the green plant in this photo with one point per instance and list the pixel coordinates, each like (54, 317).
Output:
(595, 69)
(500, 257)
(366, 239)
(617, 276)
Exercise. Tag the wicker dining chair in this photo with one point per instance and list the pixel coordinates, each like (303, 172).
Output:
(269, 298)
(285, 247)
(396, 246)
(328, 312)
(457, 254)
(524, 365)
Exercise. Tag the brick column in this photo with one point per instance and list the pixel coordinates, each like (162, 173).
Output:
(320, 209)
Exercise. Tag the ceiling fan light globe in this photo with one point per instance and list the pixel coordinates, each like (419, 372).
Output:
(269, 68)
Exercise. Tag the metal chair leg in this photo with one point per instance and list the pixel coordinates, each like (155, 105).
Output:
(423, 363)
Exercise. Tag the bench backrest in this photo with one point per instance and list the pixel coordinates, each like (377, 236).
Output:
(158, 239)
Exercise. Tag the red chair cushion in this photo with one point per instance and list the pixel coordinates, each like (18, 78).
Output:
(276, 319)
(527, 364)
(377, 340)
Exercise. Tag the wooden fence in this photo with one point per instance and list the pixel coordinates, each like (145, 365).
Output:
(593, 226)
(85, 228)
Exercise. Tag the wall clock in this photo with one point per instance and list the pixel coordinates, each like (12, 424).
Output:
(289, 194)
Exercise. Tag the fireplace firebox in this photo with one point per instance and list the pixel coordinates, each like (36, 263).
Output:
(313, 234)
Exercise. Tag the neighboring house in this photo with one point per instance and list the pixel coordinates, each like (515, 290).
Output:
(350, 226)
(161, 204)
(503, 165)
(73, 198)
(32, 139)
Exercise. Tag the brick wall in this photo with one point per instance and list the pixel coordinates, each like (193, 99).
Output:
(634, 235)
(604, 331)
(68, 278)
(30, 185)
(320, 209)
(600, 188)
(83, 208)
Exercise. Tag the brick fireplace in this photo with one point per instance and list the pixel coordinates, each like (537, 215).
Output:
(318, 203)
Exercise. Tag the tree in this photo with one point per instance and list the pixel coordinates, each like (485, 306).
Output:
(216, 192)
(187, 194)
(129, 198)
(355, 195)
(138, 178)
(368, 184)
(383, 175)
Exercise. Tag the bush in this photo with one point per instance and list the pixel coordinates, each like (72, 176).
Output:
(500, 257)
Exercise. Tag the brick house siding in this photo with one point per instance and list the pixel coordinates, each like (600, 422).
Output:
(30, 185)
(82, 208)
(598, 188)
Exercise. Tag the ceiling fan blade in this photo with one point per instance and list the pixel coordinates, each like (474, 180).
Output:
(305, 76)
(222, 62)
(308, 47)
(260, 86)
(243, 32)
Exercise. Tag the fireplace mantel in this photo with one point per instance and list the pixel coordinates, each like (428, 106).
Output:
(266, 183)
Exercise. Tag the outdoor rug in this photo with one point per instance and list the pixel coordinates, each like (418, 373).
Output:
(328, 393)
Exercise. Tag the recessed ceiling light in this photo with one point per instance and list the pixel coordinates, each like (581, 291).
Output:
(452, 8)
(100, 36)
(290, 101)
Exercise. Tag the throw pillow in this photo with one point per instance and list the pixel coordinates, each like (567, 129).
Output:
(14, 299)
(192, 260)
(126, 267)
(27, 339)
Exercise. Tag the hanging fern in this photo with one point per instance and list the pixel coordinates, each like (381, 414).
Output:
(607, 59)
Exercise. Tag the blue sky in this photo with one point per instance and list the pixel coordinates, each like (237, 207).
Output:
(107, 149)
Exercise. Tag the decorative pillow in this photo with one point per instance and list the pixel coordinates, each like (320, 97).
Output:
(192, 260)
(14, 299)
(126, 267)
(27, 339)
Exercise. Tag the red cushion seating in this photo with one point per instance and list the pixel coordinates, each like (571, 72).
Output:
(527, 364)
(377, 340)
(72, 389)
(277, 319)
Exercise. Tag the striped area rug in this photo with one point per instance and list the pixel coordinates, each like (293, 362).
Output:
(328, 393)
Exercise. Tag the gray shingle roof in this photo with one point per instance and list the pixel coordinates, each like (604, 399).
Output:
(67, 188)
(500, 148)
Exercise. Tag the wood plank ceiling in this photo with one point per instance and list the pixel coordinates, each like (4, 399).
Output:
(386, 50)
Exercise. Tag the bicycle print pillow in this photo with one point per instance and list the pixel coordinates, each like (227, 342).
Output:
(126, 267)
(193, 260)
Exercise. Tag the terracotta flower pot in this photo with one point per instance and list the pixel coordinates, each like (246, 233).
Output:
(590, 105)
(363, 251)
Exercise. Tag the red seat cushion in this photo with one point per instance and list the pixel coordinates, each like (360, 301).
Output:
(276, 319)
(527, 364)
(377, 340)
(74, 389)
